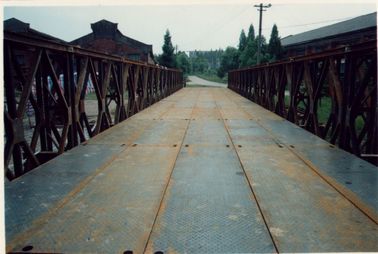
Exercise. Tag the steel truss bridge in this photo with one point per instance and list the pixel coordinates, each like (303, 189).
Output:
(173, 169)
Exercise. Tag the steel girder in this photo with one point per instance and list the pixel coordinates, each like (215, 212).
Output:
(51, 80)
(296, 88)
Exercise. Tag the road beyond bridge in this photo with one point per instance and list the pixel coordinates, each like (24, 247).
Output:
(201, 171)
(194, 80)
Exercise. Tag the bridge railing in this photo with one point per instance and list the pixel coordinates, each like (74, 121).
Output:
(332, 94)
(57, 96)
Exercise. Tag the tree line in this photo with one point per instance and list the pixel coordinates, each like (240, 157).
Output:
(246, 53)
(219, 62)
(194, 63)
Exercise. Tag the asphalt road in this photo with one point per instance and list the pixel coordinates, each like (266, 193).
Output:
(194, 80)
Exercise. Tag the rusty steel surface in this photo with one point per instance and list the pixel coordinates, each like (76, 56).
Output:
(225, 176)
(69, 170)
(303, 212)
(350, 172)
(49, 82)
(208, 206)
(332, 94)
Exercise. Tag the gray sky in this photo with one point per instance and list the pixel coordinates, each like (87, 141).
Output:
(201, 25)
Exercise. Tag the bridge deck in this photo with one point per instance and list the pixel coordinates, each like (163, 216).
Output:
(203, 170)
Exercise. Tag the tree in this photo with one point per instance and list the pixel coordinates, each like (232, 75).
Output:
(242, 41)
(249, 51)
(167, 58)
(207, 60)
(199, 64)
(251, 33)
(275, 47)
(248, 56)
(183, 63)
(229, 61)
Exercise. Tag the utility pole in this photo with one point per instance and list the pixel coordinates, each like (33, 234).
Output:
(261, 6)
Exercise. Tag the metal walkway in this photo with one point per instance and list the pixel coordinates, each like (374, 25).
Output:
(202, 171)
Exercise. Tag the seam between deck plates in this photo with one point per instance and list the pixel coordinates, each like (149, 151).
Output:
(355, 201)
(169, 178)
(246, 177)
(39, 221)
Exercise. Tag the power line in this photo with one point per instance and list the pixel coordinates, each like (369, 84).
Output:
(218, 26)
(281, 27)
(313, 23)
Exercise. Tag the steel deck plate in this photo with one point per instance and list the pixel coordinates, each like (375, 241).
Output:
(350, 172)
(177, 113)
(206, 132)
(290, 133)
(122, 133)
(155, 111)
(167, 132)
(112, 214)
(172, 178)
(40, 190)
(244, 132)
(205, 114)
(208, 207)
(354, 174)
(341, 167)
(233, 113)
(206, 104)
(304, 213)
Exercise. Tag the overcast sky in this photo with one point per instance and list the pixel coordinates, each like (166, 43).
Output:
(201, 25)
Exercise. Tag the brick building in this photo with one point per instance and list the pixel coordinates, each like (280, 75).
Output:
(344, 33)
(107, 38)
(14, 25)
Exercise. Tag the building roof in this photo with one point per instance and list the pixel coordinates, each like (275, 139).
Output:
(355, 24)
(105, 29)
(17, 26)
